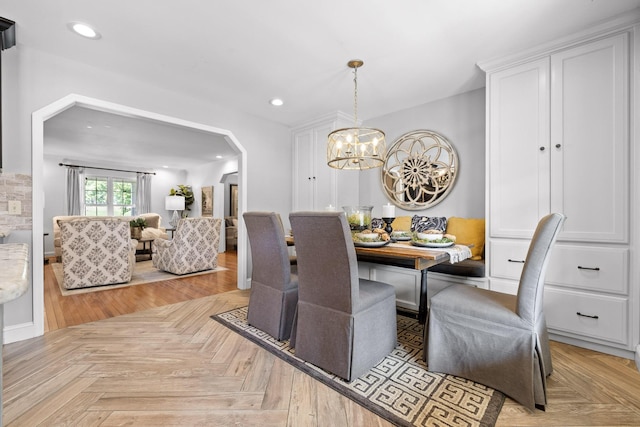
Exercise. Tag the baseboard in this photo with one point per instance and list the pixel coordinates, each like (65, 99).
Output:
(15, 333)
(602, 348)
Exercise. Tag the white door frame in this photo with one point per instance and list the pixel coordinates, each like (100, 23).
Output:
(37, 152)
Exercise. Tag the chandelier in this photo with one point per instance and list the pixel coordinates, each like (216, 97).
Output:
(356, 148)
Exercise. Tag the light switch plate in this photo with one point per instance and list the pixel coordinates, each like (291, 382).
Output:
(15, 207)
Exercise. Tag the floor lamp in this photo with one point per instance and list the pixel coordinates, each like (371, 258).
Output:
(175, 204)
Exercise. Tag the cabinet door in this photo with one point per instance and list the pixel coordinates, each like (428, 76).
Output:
(315, 184)
(590, 140)
(518, 170)
(324, 177)
(303, 175)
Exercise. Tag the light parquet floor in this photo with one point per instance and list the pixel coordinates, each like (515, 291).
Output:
(173, 365)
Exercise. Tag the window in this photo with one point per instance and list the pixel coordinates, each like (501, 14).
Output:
(109, 196)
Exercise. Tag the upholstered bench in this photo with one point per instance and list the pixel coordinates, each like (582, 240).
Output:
(467, 231)
(466, 268)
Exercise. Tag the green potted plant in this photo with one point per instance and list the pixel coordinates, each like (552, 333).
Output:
(137, 225)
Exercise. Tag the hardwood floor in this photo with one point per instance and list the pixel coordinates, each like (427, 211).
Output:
(63, 311)
(173, 365)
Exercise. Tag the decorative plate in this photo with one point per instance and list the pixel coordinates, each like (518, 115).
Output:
(432, 245)
(378, 244)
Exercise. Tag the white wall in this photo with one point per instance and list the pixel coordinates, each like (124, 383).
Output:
(460, 119)
(33, 79)
(54, 197)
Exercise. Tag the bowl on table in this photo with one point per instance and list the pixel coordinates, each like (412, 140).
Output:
(368, 237)
(429, 236)
(401, 235)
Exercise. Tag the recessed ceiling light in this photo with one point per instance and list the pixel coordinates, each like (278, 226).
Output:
(84, 30)
(218, 156)
(165, 166)
(276, 102)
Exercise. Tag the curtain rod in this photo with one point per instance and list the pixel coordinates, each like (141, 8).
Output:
(104, 169)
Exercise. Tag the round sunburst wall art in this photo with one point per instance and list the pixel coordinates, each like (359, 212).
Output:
(419, 170)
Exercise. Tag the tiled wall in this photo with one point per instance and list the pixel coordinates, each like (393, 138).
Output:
(15, 186)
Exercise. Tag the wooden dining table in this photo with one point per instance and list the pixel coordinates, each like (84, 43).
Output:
(402, 254)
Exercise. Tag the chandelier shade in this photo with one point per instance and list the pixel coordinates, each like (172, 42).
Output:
(357, 147)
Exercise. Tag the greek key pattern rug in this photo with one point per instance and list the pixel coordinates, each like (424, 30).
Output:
(399, 388)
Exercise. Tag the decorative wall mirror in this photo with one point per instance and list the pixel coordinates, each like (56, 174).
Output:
(419, 170)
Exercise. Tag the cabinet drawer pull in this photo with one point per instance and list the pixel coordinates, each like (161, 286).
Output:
(586, 315)
(588, 268)
(516, 260)
(541, 148)
(558, 145)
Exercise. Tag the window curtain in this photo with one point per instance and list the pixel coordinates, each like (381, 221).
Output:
(75, 191)
(143, 193)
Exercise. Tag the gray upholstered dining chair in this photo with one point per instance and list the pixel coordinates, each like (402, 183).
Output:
(274, 288)
(345, 325)
(496, 339)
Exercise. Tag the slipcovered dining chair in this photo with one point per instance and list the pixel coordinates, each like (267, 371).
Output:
(194, 246)
(274, 289)
(345, 325)
(496, 339)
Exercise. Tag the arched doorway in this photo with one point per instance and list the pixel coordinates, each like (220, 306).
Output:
(37, 125)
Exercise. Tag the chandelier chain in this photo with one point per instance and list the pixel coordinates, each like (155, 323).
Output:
(355, 96)
(355, 147)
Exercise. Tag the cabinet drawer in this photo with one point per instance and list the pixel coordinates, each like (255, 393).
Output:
(590, 268)
(608, 319)
(507, 258)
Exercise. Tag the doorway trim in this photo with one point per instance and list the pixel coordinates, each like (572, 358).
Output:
(37, 161)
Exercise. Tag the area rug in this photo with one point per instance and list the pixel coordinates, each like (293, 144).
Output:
(399, 389)
(143, 272)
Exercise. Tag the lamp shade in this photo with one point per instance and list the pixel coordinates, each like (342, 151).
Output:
(174, 203)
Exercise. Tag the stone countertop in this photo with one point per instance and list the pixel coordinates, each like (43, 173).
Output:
(14, 271)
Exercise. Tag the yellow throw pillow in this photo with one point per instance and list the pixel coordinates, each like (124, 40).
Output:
(468, 231)
(402, 223)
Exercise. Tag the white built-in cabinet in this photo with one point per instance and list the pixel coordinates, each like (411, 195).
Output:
(559, 132)
(315, 184)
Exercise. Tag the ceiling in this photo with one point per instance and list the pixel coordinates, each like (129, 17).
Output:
(83, 134)
(242, 53)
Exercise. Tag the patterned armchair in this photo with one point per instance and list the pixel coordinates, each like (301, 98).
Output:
(96, 251)
(194, 247)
